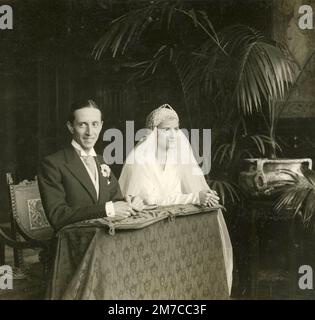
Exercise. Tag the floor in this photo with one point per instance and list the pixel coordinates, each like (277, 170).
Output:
(29, 287)
(272, 285)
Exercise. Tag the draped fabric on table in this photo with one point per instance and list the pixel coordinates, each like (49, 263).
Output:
(180, 259)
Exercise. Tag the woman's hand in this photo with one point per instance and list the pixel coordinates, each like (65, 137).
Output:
(135, 202)
(208, 198)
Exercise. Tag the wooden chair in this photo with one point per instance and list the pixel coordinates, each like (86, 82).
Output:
(29, 227)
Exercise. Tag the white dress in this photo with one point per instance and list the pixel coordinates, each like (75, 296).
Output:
(162, 187)
(177, 183)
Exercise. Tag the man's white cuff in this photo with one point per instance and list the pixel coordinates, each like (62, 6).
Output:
(110, 209)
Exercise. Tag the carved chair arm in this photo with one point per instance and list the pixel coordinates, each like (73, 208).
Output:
(7, 240)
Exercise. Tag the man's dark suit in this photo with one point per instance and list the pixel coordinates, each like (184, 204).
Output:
(67, 192)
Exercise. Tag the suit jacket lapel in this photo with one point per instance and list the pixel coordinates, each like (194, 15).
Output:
(102, 181)
(78, 170)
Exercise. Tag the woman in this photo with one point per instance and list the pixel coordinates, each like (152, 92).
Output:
(162, 170)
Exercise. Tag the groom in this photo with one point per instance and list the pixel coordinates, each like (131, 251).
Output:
(75, 184)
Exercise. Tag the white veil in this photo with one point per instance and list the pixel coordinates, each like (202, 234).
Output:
(143, 156)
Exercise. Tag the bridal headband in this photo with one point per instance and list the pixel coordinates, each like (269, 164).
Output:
(162, 113)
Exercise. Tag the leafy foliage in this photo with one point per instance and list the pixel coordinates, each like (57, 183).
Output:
(299, 195)
(226, 190)
(133, 27)
(229, 74)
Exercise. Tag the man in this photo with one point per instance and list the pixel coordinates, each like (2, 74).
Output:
(75, 184)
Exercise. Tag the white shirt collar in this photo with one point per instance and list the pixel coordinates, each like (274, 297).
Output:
(81, 151)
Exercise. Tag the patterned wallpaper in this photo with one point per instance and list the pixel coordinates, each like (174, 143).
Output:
(301, 44)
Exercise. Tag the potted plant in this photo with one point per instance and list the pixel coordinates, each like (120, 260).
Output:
(266, 177)
(299, 195)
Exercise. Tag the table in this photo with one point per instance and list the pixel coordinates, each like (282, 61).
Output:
(178, 258)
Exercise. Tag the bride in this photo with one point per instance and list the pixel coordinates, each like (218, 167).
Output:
(162, 170)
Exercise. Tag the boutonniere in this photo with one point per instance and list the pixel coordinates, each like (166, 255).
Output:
(105, 170)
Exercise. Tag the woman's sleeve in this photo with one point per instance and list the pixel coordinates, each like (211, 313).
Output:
(137, 180)
(178, 197)
(134, 182)
(192, 198)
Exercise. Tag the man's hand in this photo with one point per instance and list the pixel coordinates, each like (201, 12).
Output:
(123, 209)
(135, 202)
(208, 198)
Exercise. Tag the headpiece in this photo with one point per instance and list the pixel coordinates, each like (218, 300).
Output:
(164, 112)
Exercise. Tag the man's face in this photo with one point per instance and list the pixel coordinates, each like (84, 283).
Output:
(86, 127)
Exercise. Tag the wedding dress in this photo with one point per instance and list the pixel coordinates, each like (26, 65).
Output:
(179, 182)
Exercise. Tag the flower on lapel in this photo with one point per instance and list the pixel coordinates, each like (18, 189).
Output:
(105, 170)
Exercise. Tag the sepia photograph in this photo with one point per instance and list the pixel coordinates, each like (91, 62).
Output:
(157, 150)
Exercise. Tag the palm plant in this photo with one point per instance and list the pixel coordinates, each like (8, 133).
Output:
(299, 194)
(232, 74)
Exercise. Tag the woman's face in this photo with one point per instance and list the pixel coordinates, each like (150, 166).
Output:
(167, 134)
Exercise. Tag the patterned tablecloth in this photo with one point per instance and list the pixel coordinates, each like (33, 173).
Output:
(178, 257)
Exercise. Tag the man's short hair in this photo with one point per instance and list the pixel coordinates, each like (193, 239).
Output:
(80, 105)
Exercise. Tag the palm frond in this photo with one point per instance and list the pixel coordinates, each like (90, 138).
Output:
(299, 195)
(188, 82)
(236, 149)
(254, 69)
(127, 29)
(201, 20)
(222, 153)
(226, 190)
(130, 27)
